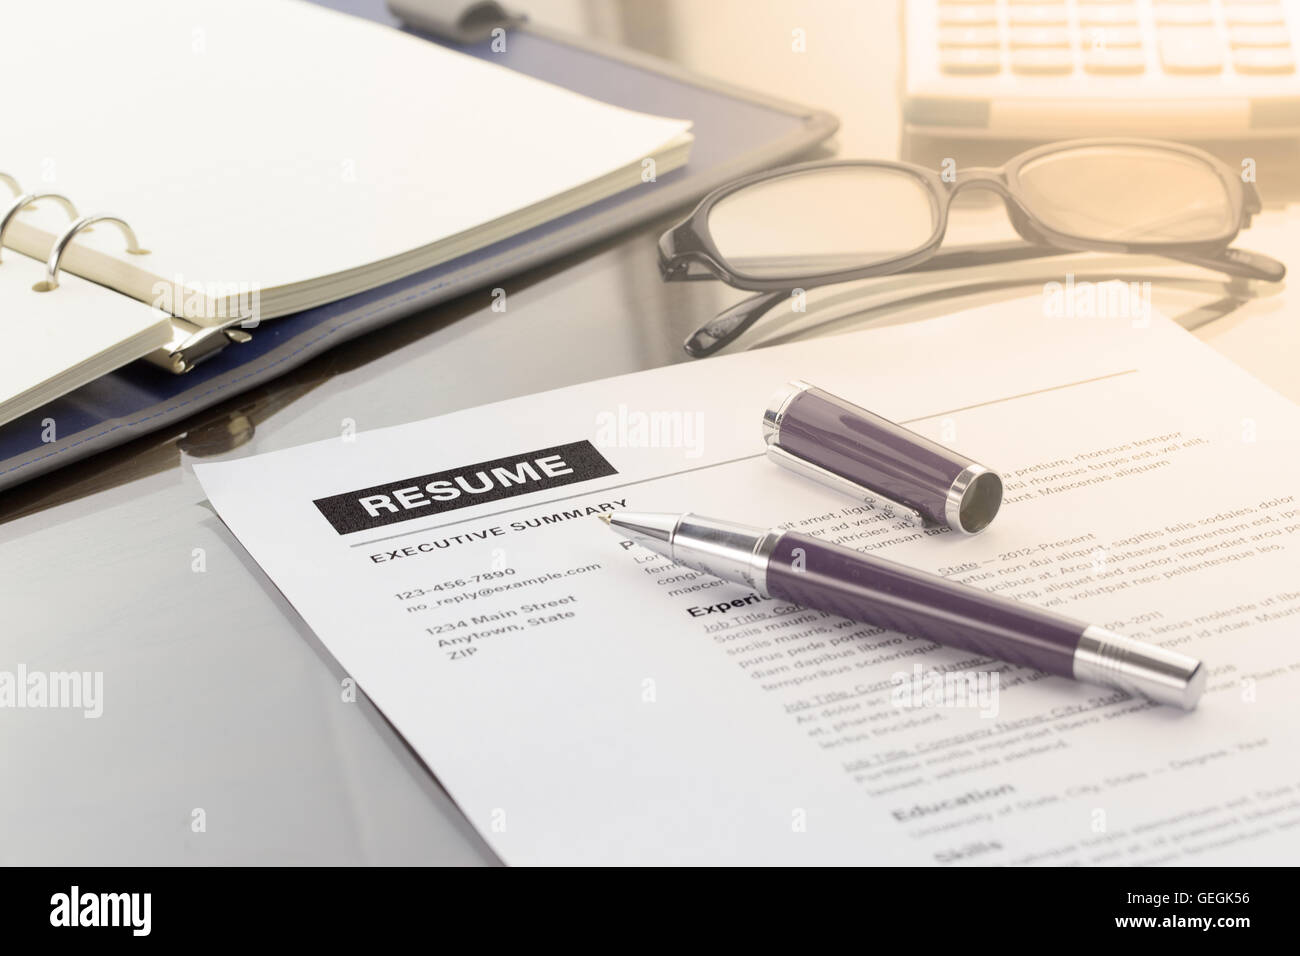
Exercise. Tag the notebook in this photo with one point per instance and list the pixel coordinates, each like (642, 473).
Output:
(272, 156)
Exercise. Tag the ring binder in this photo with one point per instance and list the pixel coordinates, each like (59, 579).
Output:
(190, 344)
(61, 244)
(27, 199)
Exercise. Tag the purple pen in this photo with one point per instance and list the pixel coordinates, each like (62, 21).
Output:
(812, 573)
(823, 437)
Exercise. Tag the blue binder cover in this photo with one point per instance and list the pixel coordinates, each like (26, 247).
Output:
(735, 132)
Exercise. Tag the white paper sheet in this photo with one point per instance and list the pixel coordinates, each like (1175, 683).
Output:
(59, 340)
(563, 691)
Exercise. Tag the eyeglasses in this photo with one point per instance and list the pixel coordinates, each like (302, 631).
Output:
(823, 223)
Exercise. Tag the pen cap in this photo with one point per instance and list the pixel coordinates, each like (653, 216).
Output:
(823, 437)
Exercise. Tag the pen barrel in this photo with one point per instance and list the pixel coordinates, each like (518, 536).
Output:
(828, 577)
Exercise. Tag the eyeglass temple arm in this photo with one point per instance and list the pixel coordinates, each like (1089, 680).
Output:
(1233, 261)
(1241, 263)
(731, 323)
(728, 325)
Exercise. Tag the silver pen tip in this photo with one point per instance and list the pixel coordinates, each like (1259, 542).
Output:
(644, 527)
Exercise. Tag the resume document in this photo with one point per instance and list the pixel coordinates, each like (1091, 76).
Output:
(586, 702)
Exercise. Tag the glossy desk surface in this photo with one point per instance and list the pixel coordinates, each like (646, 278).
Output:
(217, 697)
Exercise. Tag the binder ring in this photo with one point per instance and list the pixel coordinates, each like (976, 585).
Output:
(11, 183)
(27, 199)
(61, 244)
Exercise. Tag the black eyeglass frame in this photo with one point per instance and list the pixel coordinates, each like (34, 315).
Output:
(687, 251)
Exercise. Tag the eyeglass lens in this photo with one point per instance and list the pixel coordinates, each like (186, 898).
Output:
(1127, 194)
(823, 220)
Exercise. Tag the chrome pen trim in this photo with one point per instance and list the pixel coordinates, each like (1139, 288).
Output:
(723, 549)
(956, 508)
(776, 408)
(1104, 657)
